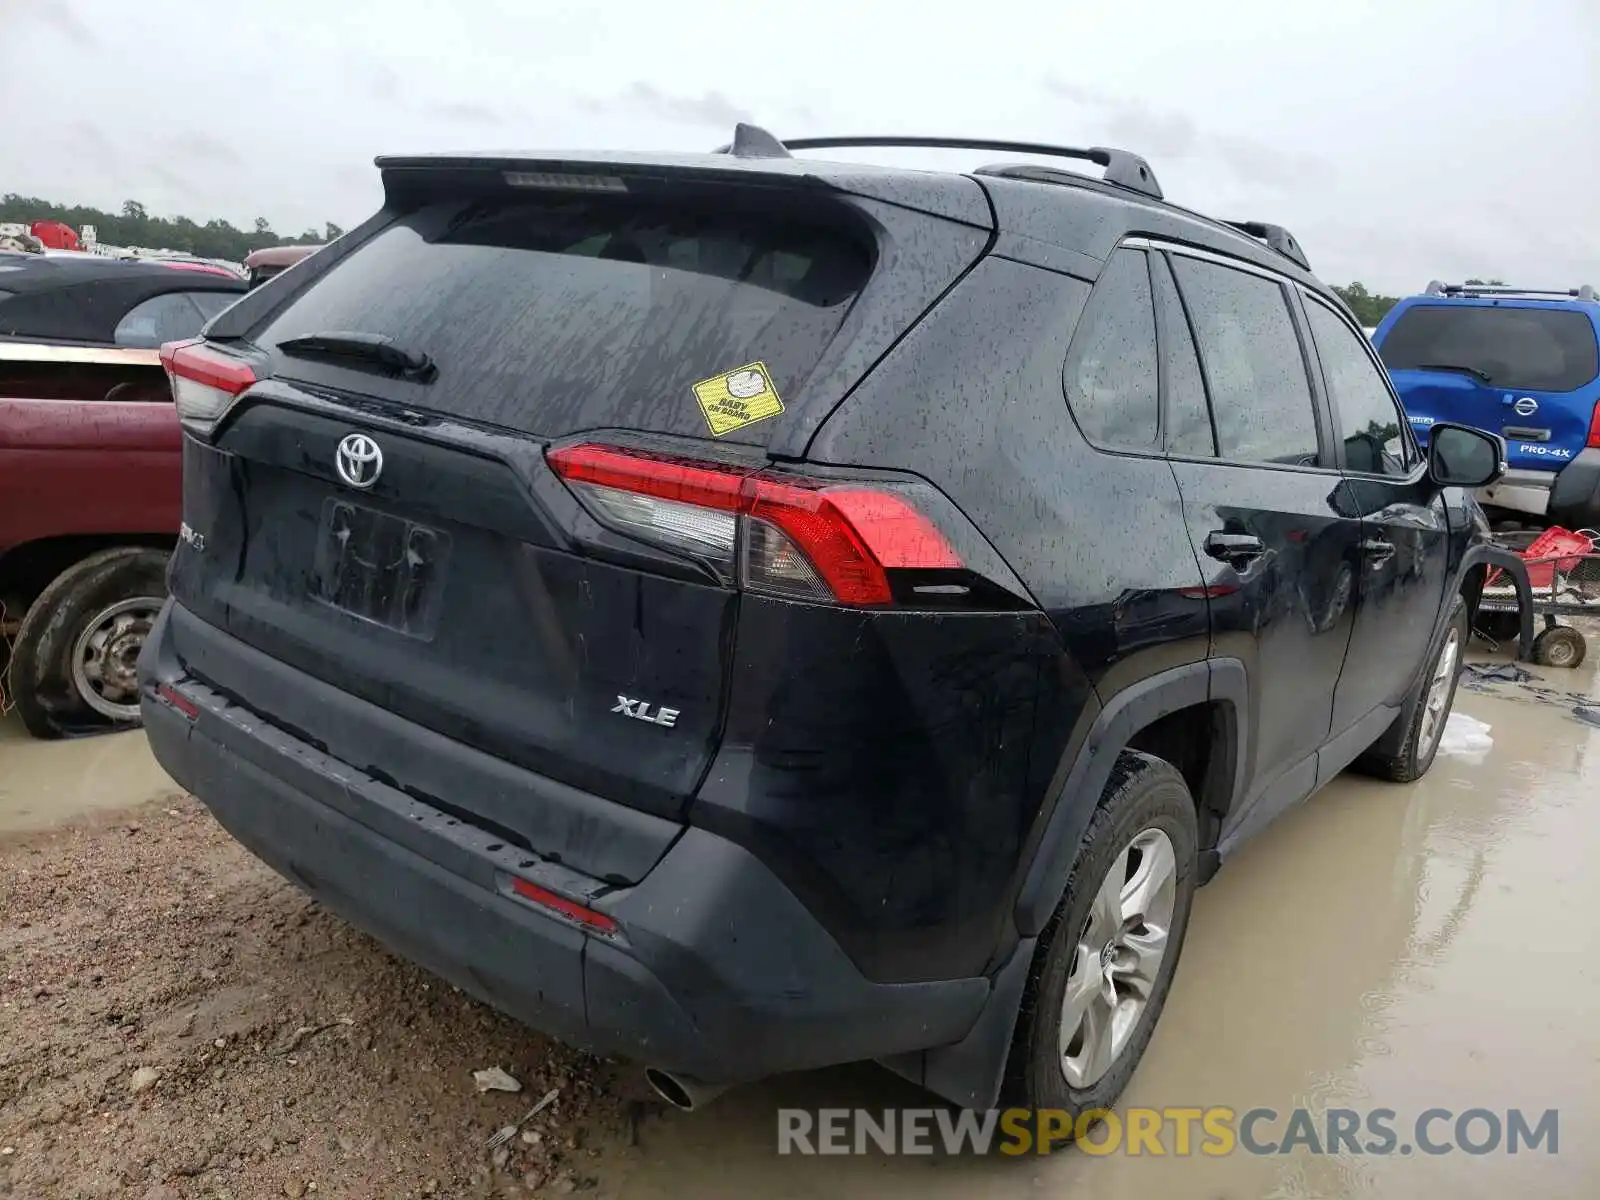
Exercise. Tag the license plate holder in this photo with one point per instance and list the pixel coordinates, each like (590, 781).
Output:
(380, 568)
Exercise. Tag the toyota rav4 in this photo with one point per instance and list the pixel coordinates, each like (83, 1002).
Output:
(746, 613)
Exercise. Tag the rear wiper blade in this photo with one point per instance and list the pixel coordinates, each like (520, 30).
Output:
(1475, 372)
(371, 348)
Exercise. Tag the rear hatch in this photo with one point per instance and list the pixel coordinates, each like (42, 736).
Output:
(387, 521)
(1525, 370)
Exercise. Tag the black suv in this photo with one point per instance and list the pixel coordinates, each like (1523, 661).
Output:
(749, 613)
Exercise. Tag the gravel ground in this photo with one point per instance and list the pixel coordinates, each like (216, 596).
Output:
(176, 1021)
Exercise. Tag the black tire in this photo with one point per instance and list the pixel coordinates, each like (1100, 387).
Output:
(1503, 628)
(1560, 646)
(1399, 755)
(41, 676)
(1144, 793)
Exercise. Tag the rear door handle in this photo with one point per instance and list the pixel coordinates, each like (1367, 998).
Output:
(1377, 551)
(1234, 548)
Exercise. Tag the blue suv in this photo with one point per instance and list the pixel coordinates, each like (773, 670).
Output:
(1523, 364)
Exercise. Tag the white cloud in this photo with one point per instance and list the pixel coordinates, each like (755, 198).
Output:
(1399, 141)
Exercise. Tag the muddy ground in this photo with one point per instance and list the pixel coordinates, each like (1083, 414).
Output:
(177, 1022)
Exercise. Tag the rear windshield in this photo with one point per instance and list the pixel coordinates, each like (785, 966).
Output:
(553, 315)
(1523, 349)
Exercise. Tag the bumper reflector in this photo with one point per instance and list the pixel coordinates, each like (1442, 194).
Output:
(570, 909)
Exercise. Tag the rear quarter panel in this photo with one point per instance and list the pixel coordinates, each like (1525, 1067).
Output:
(972, 400)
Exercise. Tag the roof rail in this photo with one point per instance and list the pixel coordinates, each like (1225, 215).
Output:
(1276, 237)
(1123, 169)
(1438, 288)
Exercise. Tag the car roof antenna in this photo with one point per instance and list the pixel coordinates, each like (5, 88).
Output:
(752, 141)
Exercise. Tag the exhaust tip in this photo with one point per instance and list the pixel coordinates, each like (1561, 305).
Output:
(680, 1091)
(669, 1089)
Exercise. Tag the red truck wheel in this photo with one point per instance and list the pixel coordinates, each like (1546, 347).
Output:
(72, 665)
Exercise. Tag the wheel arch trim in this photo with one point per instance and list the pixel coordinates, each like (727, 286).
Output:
(1485, 554)
(1120, 718)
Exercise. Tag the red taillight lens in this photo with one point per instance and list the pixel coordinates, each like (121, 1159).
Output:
(204, 381)
(571, 909)
(804, 538)
(1594, 428)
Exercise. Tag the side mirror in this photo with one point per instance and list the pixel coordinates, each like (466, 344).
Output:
(1460, 456)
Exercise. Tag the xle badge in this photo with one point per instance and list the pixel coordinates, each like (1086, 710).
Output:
(738, 398)
(639, 710)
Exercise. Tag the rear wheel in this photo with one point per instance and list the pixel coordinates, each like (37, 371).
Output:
(1106, 960)
(1407, 749)
(73, 662)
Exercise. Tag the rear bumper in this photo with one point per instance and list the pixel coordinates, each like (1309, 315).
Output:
(1569, 497)
(1521, 491)
(1575, 497)
(716, 970)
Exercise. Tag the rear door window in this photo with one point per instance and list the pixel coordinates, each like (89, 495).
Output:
(1260, 392)
(555, 315)
(1111, 367)
(1520, 349)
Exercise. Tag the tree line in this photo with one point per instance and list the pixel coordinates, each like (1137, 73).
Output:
(134, 226)
(1370, 307)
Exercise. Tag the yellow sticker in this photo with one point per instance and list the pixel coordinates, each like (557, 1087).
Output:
(738, 398)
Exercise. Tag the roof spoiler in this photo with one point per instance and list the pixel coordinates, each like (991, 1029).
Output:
(1122, 168)
(1276, 237)
(1439, 288)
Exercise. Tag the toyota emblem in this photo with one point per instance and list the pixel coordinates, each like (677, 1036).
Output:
(359, 461)
(1526, 407)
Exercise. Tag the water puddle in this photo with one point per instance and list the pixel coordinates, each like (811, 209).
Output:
(44, 783)
(1385, 946)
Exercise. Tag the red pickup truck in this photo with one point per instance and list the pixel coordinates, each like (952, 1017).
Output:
(89, 477)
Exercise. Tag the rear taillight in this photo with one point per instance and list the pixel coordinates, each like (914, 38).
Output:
(804, 538)
(204, 381)
(1594, 428)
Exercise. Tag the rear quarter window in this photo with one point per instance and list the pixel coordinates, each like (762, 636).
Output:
(553, 315)
(1111, 373)
(1523, 349)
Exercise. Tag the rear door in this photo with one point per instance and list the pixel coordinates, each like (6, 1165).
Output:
(1269, 520)
(1523, 369)
(400, 536)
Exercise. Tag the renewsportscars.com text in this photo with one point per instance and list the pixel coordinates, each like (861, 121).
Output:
(1159, 1132)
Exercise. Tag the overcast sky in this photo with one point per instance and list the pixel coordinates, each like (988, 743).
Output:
(1399, 140)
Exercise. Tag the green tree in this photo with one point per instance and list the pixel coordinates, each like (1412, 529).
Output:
(1369, 307)
(330, 231)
